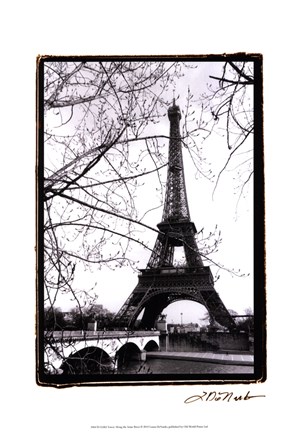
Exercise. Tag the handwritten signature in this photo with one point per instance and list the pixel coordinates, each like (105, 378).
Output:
(214, 396)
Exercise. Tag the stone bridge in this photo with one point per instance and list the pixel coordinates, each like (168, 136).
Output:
(80, 352)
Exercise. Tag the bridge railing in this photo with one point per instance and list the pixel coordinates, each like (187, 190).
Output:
(91, 334)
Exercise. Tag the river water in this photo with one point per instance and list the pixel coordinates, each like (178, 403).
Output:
(171, 366)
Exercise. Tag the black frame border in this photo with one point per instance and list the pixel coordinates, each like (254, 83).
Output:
(260, 333)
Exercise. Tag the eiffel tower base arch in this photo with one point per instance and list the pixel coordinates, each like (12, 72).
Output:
(156, 291)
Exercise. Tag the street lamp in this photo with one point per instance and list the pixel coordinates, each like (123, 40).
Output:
(181, 318)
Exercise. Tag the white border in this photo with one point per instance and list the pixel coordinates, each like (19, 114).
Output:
(131, 27)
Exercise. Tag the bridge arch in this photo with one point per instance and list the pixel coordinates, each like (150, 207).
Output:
(151, 346)
(129, 351)
(87, 360)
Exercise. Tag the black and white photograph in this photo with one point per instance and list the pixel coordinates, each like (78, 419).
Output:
(147, 218)
(150, 220)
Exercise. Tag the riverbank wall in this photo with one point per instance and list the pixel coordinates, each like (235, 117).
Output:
(200, 342)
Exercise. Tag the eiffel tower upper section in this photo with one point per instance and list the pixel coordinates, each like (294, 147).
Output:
(176, 224)
(176, 204)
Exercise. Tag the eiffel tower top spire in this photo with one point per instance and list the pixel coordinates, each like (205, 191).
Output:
(176, 204)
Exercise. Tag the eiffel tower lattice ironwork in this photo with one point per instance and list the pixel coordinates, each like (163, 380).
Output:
(163, 282)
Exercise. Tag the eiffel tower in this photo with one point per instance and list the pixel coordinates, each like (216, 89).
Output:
(163, 282)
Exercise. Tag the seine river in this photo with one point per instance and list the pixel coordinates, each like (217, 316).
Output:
(162, 366)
